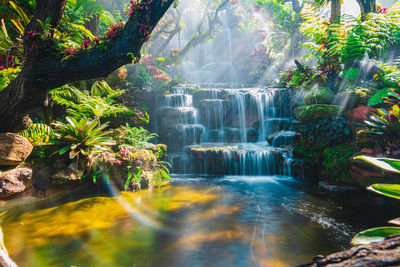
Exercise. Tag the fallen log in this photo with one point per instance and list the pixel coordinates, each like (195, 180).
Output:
(384, 253)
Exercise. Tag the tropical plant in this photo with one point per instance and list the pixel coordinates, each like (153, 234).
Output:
(162, 173)
(38, 133)
(97, 103)
(133, 137)
(389, 190)
(386, 125)
(82, 137)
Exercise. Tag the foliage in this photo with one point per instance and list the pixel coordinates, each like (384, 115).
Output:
(389, 190)
(318, 95)
(137, 138)
(83, 137)
(296, 78)
(379, 96)
(325, 131)
(37, 133)
(385, 124)
(315, 112)
(7, 76)
(97, 103)
(374, 235)
(162, 173)
(336, 162)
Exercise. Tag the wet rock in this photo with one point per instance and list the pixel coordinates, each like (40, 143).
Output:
(315, 112)
(336, 187)
(13, 149)
(15, 181)
(283, 138)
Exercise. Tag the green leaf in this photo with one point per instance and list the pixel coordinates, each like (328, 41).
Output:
(389, 190)
(374, 235)
(395, 221)
(387, 164)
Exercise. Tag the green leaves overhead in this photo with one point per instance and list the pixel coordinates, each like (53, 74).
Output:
(374, 235)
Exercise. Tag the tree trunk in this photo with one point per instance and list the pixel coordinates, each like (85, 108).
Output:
(335, 10)
(385, 253)
(367, 6)
(43, 71)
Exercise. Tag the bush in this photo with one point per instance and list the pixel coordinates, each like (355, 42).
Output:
(337, 163)
(327, 131)
(314, 112)
(318, 95)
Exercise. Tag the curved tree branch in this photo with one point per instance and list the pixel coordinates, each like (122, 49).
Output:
(43, 71)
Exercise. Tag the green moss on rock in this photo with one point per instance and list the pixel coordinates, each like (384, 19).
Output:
(355, 96)
(316, 111)
(318, 95)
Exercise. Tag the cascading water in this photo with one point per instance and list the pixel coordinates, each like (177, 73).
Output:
(228, 131)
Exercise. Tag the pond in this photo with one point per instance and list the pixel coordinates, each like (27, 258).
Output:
(195, 221)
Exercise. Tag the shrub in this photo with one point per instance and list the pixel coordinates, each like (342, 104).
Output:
(326, 131)
(337, 164)
(379, 97)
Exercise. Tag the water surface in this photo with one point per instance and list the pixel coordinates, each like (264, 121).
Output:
(219, 221)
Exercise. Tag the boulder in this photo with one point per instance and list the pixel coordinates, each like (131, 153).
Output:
(13, 149)
(315, 112)
(318, 95)
(15, 181)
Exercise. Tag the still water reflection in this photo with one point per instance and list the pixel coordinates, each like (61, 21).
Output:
(225, 221)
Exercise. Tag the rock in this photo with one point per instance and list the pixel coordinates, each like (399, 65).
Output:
(15, 181)
(359, 114)
(354, 96)
(318, 95)
(13, 149)
(283, 138)
(336, 187)
(314, 112)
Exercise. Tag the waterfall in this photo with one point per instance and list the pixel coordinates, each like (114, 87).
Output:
(212, 129)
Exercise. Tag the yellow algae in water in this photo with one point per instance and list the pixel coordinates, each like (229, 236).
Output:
(214, 212)
(189, 197)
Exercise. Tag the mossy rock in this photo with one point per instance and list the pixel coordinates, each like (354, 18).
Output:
(353, 96)
(365, 139)
(318, 95)
(316, 111)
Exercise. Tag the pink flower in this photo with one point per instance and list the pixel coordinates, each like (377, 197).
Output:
(70, 51)
(118, 162)
(122, 75)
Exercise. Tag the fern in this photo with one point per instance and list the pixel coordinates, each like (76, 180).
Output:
(97, 103)
(378, 98)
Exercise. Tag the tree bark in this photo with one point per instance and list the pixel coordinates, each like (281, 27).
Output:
(43, 71)
(367, 6)
(385, 253)
(335, 10)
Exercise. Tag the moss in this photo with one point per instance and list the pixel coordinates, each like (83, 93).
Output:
(337, 163)
(355, 96)
(364, 139)
(318, 95)
(311, 156)
(316, 111)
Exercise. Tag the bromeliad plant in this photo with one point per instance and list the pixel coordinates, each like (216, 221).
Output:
(83, 137)
(389, 190)
(386, 125)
